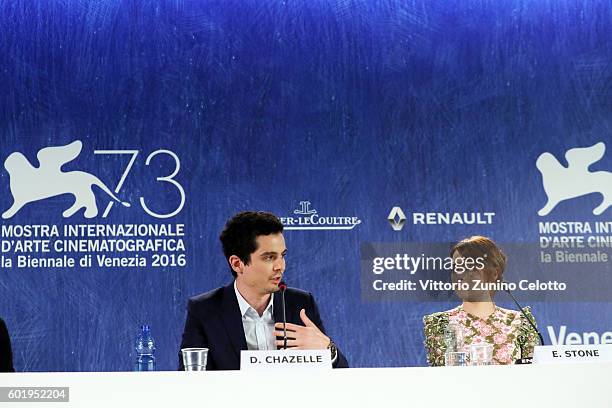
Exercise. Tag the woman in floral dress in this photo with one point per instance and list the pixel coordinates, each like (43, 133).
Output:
(478, 318)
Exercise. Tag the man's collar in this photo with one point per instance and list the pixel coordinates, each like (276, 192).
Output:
(244, 305)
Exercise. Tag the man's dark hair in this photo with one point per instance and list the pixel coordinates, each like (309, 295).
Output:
(240, 232)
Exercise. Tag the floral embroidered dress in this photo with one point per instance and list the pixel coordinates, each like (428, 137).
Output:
(507, 330)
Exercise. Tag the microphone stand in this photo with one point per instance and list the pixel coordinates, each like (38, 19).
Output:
(531, 323)
(282, 287)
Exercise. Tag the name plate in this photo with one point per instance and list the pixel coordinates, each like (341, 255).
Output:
(572, 354)
(285, 359)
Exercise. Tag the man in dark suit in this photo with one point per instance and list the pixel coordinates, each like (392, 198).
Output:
(245, 314)
(6, 354)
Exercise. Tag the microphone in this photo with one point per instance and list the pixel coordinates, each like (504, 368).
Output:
(531, 323)
(282, 286)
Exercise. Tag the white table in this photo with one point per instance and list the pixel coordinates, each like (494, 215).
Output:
(571, 385)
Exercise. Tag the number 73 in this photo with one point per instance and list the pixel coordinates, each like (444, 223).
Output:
(166, 179)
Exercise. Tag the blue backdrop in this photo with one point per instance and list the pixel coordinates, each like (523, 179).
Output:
(354, 106)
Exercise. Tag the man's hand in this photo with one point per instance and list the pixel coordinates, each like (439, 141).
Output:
(307, 337)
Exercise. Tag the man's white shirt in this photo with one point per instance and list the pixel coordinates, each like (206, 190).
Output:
(258, 330)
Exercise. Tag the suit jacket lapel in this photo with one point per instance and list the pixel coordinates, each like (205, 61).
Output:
(233, 320)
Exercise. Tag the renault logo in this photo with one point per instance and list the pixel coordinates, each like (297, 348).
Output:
(397, 218)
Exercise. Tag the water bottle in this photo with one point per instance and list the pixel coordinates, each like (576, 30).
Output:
(145, 350)
(453, 339)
